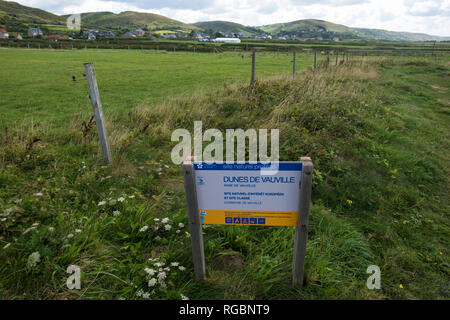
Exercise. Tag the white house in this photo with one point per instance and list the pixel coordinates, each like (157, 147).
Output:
(4, 34)
(228, 40)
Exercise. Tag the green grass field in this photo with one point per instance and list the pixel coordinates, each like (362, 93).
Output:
(377, 130)
(126, 78)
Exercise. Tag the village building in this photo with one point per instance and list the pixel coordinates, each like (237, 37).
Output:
(4, 34)
(139, 32)
(228, 40)
(52, 37)
(34, 32)
(17, 36)
(128, 34)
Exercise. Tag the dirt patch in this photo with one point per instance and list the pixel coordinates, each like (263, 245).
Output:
(228, 260)
(438, 88)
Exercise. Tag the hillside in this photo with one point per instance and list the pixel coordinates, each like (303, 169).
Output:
(130, 20)
(397, 36)
(311, 28)
(225, 27)
(17, 18)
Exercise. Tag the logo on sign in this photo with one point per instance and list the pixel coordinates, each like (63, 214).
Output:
(237, 220)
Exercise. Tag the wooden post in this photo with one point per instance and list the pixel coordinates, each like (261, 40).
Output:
(98, 112)
(294, 65)
(252, 81)
(301, 231)
(337, 57)
(315, 61)
(195, 228)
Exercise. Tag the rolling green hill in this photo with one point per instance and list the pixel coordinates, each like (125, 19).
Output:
(17, 18)
(225, 27)
(130, 19)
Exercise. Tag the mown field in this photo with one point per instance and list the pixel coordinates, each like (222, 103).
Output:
(376, 129)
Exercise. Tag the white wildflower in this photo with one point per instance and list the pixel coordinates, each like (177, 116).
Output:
(165, 220)
(101, 203)
(116, 213)
(167, 227)
(167, 269)
(38, 194)
(70, 235)
(33, 259)
(161, 276)
(178, 231)
(146, 295)
(174, 264)
(150, 271)
(77, 230)
(35, 224)
(183, 297)
(158, 264)
(181, 225)
(3, 219)
(158, 238)
(143, 229)
(131, 197)
(181, 268)
(156, 219)
(112, 202)
(140, 293)
(51, 229)
(121, 199)
(152, 282)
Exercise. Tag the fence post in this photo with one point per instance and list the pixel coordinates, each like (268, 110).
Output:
(301, 231)
(252, 81)
(195, 228)
(294, 64)
(315, 61)
(98, 112)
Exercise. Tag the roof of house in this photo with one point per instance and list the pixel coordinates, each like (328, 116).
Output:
(3, 31)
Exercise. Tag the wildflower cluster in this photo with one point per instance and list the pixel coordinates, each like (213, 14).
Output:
(162, 226)
(158, 276)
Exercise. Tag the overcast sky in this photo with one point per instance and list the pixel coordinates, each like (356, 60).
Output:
(424, 16)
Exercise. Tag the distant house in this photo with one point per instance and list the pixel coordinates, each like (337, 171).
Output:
(64, 37)
(4, 34)
(52, 37)
(139, 32)
(34, 32)
(17, 36)
(129, 34)
(336, 39)
(228, 40)
(301, 39)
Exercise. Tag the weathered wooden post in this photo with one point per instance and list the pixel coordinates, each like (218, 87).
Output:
(98, 112)
(301, 232)
(315, 60)
(195, 228)
(337, 57)
(294, 64)
(252, 81)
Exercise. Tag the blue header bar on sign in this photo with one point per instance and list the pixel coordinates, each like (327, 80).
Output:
(282, 166)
